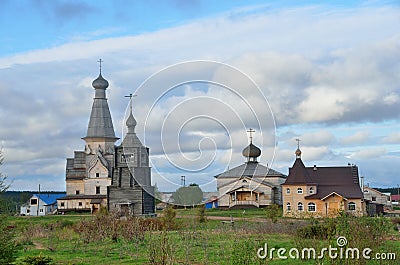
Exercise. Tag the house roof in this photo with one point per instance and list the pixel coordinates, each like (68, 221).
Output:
(298, 173)
(239, 180)
(395, 197)
(49, 198)
(341, 180)
(250, 169)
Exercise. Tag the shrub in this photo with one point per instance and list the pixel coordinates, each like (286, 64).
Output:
(169, 218)
(273, 211)
(243, 252)
(37, 260)
(8, 248)
(201, 213)
(396, 220)
(109, 227)
(151, 224)
(160, 248)
(314, 231)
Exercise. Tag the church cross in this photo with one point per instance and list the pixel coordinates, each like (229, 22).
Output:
(100, 61)
(298, 143)
(250, 131)
(130, 99)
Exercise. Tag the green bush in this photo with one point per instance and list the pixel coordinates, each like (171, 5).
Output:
(169, 218)
(315, 231)
(37, 260)
(273, 211)
(8, 247)
(201, 213)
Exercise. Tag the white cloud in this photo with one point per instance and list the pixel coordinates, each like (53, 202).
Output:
(391, 99)
(356, 138)
(316, 67)
(368, 153)
(314, 153)
(393, 138)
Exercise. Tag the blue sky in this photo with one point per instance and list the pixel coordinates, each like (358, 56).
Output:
(329, 71)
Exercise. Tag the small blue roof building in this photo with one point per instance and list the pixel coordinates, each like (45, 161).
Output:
(41, 204)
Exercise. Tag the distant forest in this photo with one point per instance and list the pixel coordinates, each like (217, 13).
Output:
(393, 191)
(11, 201)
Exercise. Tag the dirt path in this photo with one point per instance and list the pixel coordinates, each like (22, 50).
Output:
(38, 245)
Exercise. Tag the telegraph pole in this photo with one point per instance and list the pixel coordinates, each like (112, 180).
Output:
(38, 201)
(183, 181)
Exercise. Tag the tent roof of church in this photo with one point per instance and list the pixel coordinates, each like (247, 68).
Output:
(298, 173)
(100, 122)
(250, 169)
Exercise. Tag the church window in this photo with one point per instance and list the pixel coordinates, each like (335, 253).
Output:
(77, 192)
(256, 196)
(97, 175)
(299, 191)
(287, 191)
(351, 206)
(288, 206)
(62, 204)
(80, 204)
(98, 190)
(300, 206)
(374, 199)
(311, 207)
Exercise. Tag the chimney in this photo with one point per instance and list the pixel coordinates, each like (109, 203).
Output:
(315, 168)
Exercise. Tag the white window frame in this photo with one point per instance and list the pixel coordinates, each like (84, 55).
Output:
(353, 204)
(300, 206)
(311, 204)
(299, 191)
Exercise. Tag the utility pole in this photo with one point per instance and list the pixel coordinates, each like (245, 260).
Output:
(183, 181)
(362, 185)
(38, 201)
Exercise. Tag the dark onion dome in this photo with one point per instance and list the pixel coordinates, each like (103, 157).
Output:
(100, 83)
(251, 151)
(131, 123)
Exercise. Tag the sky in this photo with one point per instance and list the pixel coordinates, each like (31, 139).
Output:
(324, 72)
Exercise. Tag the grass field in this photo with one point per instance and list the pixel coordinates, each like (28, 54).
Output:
(191, 242)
